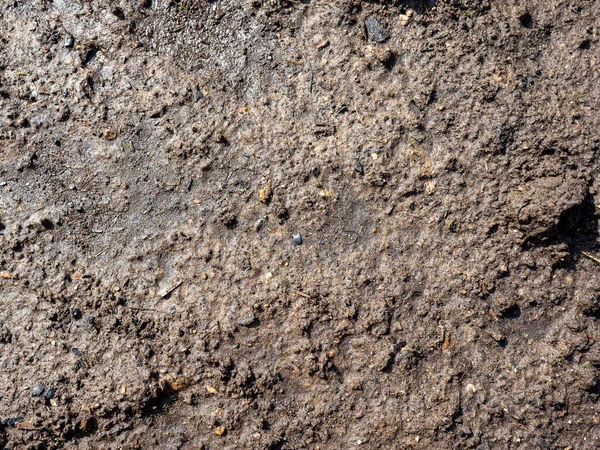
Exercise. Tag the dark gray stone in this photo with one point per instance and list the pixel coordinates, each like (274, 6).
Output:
(376, 31)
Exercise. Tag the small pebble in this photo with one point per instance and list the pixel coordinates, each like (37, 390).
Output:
(297, 239)
(12, 421)
(375, 31)
(358, 168)
(50, 393)
(246, 321)
(109, 135)
(38, 389)
(266, 193)
(76, 313)
(198, 93)
(172, 310)
(69, 41)
(128, 85)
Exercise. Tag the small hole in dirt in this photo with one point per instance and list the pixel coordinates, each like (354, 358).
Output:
(2, 226)
(595, 314)
(514, 312)
(223, 140)
(585, 45)
(503, 342)
(230, 222)
(595, 389)
(390, 61)
(118, 12)
(47, 224)
(86, 427)
(526, 20)
(389, 367)
(278, 445)
(91, 54)
(593, 311)
(493, 228)
(577, 228)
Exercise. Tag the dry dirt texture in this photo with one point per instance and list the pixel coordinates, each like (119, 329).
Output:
(438, 159)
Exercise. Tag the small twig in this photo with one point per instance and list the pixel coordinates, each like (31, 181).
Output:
(593, 258)
(100, 253)
(170, 290)
(136, 308)
(184, 9)
(586, 432)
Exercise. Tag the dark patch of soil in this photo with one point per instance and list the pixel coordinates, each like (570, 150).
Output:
(440, 165)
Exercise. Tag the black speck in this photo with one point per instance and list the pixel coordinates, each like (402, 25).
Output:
(526, 20)
(47, 224)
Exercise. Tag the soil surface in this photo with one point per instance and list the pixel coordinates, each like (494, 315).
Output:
(271, 224)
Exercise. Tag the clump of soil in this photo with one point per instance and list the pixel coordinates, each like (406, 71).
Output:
(288, 225)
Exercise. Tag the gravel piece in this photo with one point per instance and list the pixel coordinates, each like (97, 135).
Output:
(376, 31)
(38, 389)
(50, 394)
(247, 320)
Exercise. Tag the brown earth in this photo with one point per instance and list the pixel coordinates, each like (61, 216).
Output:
(440, 164)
